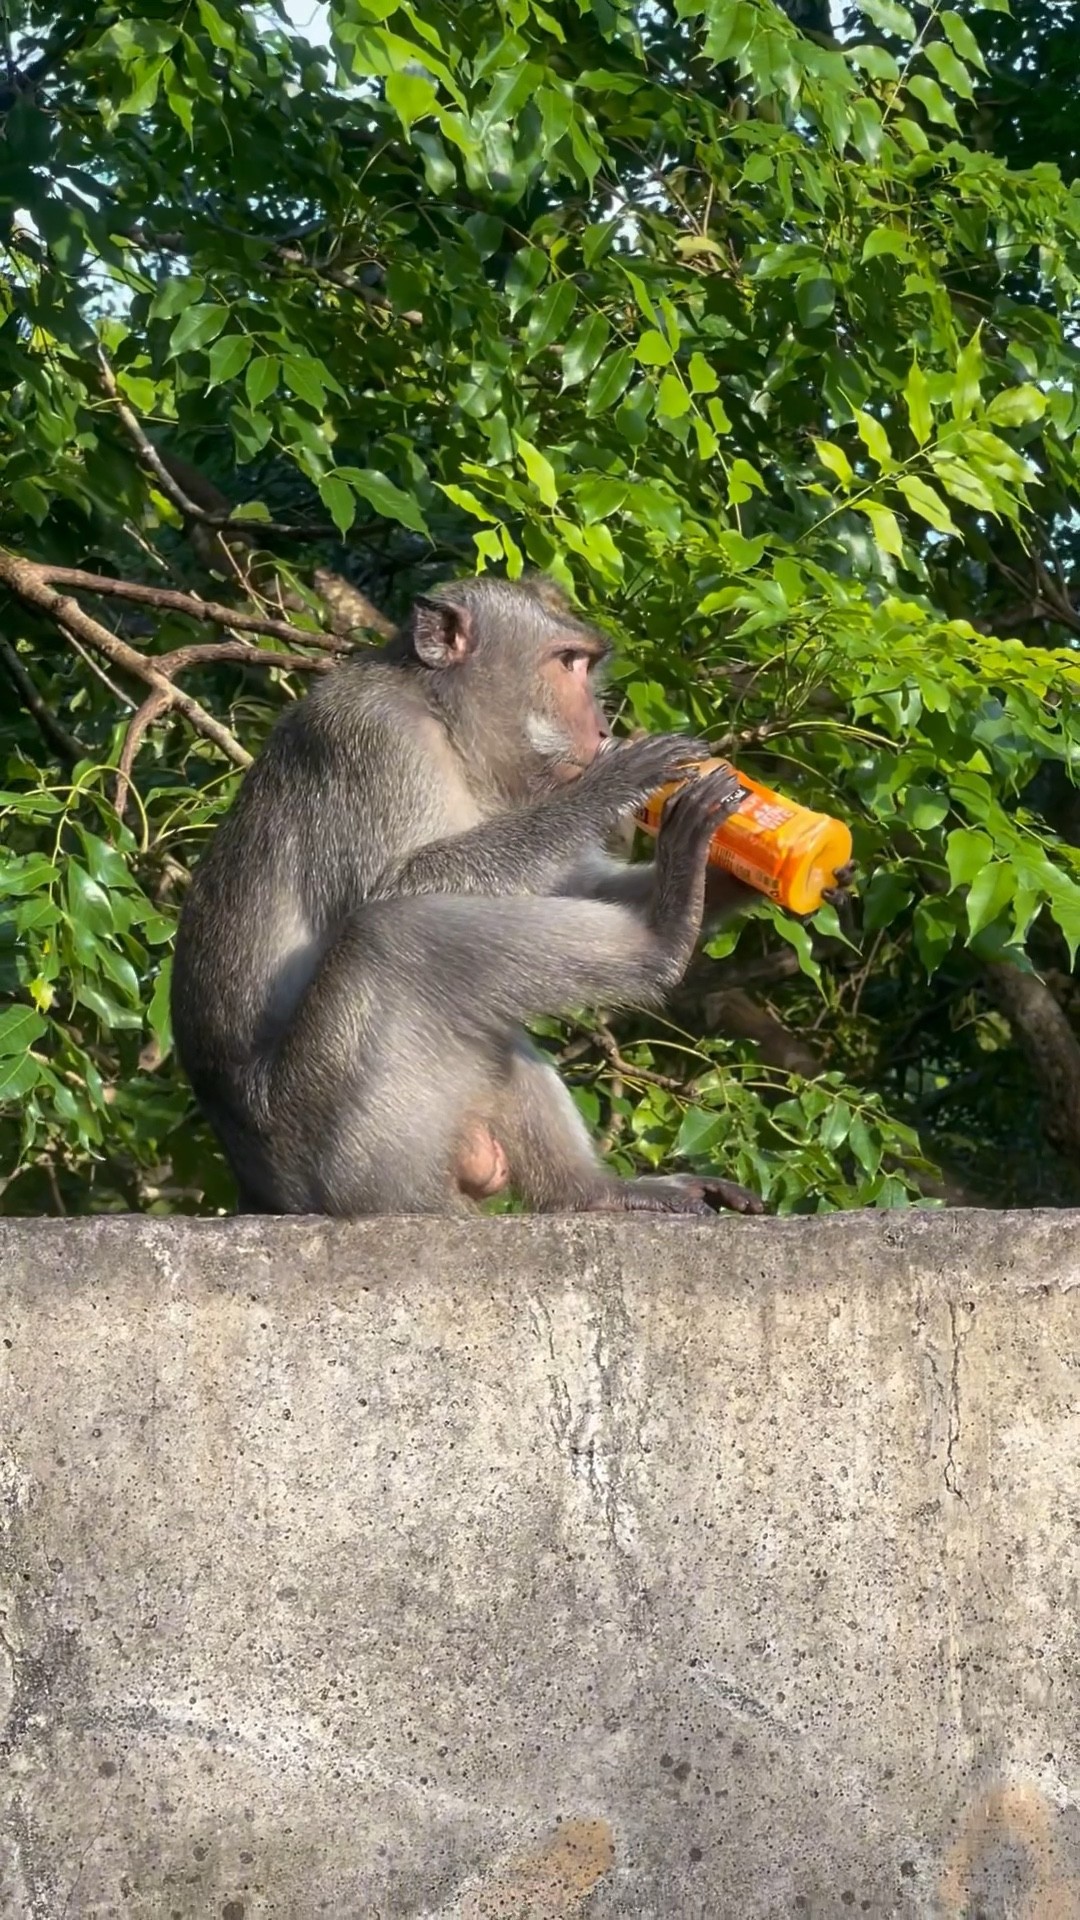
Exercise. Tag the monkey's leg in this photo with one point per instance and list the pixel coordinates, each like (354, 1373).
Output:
(555, 1168)
(401, 1038)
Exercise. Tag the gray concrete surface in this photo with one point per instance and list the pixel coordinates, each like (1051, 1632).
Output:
(540, 1569)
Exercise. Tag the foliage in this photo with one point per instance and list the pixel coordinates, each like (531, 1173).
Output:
(763, 344)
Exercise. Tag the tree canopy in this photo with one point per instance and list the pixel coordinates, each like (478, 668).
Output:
(755, 327)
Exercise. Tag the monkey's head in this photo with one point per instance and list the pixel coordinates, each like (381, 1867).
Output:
(515, 675)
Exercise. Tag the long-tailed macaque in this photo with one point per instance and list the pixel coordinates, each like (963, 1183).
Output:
(413, 867)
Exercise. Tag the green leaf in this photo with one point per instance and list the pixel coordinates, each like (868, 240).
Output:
(950, 69)
(1016, 407)
(158, 1013)
(934, 928)
(88, 904)
(957, 478)
(962, 39)
(1065, 908)
(967, 852)
(731, 27)
(220, 32)
(874, 60)
(912, 134)
(700, 1134)
(866, 1146)
(836, 460)
(307, 378)
(991, 891)
(743, 480)
(525, 272)
(599, 496)
(387, 499)
(19, 1028)
(440, 172)
(884, 900)
(583, 350)
(18, 1074)
(24, 873)
(889, 17)
(701, 375)
(834, 1129)
(550, 316)
(540, 471)
(797, 936)
(887, 240)
(411, 95)
(196, 327)
(468, 501)
(927, 503)
(925, 808)
(886, 527)
(652, 349)
(815, 298)
(174, 295)
(672, 399)
(931, 97)
(106, 865)
(917, 396)
(227, 355)
(261, 379)
(339, 500)
(113, 1017)
(874, 438)
(609, 382)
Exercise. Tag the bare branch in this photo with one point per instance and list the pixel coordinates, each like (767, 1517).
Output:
(153, 708)
(169, 600)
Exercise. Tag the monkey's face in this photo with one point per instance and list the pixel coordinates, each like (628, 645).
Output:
(566, 726)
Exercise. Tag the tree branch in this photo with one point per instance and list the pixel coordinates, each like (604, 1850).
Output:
(26, 583)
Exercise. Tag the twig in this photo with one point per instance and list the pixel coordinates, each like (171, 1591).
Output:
(145, 447)
(169, 600)
(626, 1069)
(95, 667)
(55, 734)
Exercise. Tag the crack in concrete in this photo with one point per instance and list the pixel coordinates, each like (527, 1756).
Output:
(952, 1477)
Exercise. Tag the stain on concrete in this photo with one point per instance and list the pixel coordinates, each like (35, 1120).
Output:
(553, 1882)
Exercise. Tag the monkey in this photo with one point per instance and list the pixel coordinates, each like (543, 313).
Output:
(413, 867)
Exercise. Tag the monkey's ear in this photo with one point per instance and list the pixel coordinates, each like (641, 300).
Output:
(442, 633)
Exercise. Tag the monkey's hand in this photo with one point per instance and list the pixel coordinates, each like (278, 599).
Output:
(691, 816)
(627, 772)
(840, 891)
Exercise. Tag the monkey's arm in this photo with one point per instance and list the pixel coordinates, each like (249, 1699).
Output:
(598, 877)
(532, 849)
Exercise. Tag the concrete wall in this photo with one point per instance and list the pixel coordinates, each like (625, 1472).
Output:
(540, 1569)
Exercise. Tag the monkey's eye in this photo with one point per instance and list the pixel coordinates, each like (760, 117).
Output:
(573, 659)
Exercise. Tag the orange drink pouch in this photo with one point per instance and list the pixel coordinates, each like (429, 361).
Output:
(784, 850)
